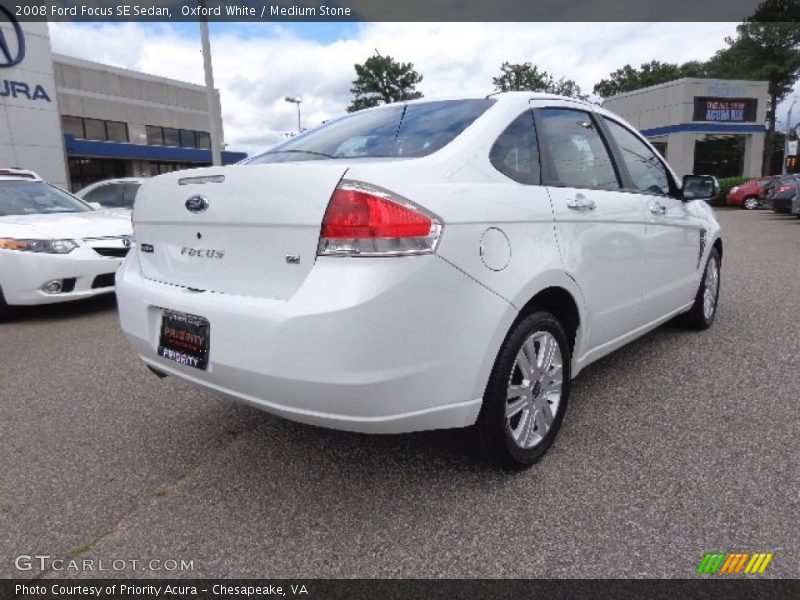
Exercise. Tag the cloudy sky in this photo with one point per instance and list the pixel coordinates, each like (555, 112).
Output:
(257, 65)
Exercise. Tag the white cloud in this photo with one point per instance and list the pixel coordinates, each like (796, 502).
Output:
(255, 73)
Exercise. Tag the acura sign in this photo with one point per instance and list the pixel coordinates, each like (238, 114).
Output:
(12, 47)
(12, 53)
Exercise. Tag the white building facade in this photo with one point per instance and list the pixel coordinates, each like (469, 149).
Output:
(702, 126)
(76, 122)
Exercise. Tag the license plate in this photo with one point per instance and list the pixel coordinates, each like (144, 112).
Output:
(184, 339)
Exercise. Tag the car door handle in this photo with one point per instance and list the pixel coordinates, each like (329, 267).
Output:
(581, 202)
(658, 209)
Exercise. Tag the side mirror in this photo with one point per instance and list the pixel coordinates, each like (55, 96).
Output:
(699, 187)
(95, 205)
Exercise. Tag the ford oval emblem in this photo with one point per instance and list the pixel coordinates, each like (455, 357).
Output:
(197, 204)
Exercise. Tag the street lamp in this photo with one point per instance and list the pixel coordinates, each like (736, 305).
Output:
(297, 101)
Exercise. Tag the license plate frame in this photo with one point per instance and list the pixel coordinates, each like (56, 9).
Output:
(184, 339)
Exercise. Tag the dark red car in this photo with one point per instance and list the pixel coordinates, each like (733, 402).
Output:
(750, 195)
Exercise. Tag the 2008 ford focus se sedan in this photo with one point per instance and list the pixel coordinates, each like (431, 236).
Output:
(421, 265)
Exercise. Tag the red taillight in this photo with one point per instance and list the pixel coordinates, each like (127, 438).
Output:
(366, 220)
(355, 214)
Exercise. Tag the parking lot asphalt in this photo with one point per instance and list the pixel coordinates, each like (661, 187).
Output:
(680, 444)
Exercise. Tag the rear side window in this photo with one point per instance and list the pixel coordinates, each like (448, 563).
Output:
(396, 131)
(647, 172)
(515, 153)
(129, 193)
(107, 195)
(573, 153)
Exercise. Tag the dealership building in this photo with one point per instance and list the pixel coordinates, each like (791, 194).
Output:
(702, 126)
(76, 122)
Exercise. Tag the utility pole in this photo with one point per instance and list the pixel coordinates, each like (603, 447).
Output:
(786, 137)
(213, 106)
(297, 101)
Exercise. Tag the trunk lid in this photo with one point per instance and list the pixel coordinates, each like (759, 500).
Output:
(255, 233)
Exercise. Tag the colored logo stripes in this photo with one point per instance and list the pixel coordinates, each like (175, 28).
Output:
(726, 563)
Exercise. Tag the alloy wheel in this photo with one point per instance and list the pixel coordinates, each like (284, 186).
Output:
(534, 389)
(711, 289)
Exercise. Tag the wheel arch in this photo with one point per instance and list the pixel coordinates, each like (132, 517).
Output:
(556, 293)
(561, 303)
(718, 245)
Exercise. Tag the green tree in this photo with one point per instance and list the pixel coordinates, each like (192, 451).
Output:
(528, 77)
(767, 48)
(383, 80)
(628, 78)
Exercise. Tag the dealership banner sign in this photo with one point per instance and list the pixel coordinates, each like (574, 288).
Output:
(725, 110)
(380, 10)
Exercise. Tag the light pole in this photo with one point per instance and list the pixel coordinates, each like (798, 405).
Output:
(786, 136)
(211, 97)
(297, 101)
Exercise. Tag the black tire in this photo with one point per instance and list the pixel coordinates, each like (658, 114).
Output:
(5, 309)
(697, 318)
(493, 430)
(753, 203)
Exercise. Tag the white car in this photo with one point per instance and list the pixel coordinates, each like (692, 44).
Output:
(53, 247)
(422, 265)
(114, 195)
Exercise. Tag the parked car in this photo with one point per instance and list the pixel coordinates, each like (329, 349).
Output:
(750, 195)
(53, 247)
(413, 267)
(782, 193)
(112, 194)
(19, 173)
(796, 206)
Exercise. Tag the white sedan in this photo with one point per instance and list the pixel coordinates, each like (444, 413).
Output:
(53, 247)
(114, 195)
(421, 265)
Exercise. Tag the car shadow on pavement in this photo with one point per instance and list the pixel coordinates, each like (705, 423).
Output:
(299, 448)
(66, 310)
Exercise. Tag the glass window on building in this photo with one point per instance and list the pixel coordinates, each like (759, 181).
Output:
(204, 140)
(183, 138)
(84, 170)
(171, 137)
(72, 126)
(117, 132)
(155, 135)
(188, 139)
(159, 168)
(94, 129)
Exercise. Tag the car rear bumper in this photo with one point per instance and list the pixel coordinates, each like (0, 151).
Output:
(83, 272)
(374, 345)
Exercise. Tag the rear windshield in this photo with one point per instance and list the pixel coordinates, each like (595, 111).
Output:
(36, 198)
(397, 131)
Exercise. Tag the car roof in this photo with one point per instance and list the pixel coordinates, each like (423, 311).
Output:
(14, 173)
(102, 182)
(119, 180)
(515, 97)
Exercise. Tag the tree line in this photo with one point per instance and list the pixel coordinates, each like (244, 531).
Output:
(766, 47)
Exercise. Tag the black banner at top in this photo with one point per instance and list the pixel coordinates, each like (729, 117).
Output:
(255, 11)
